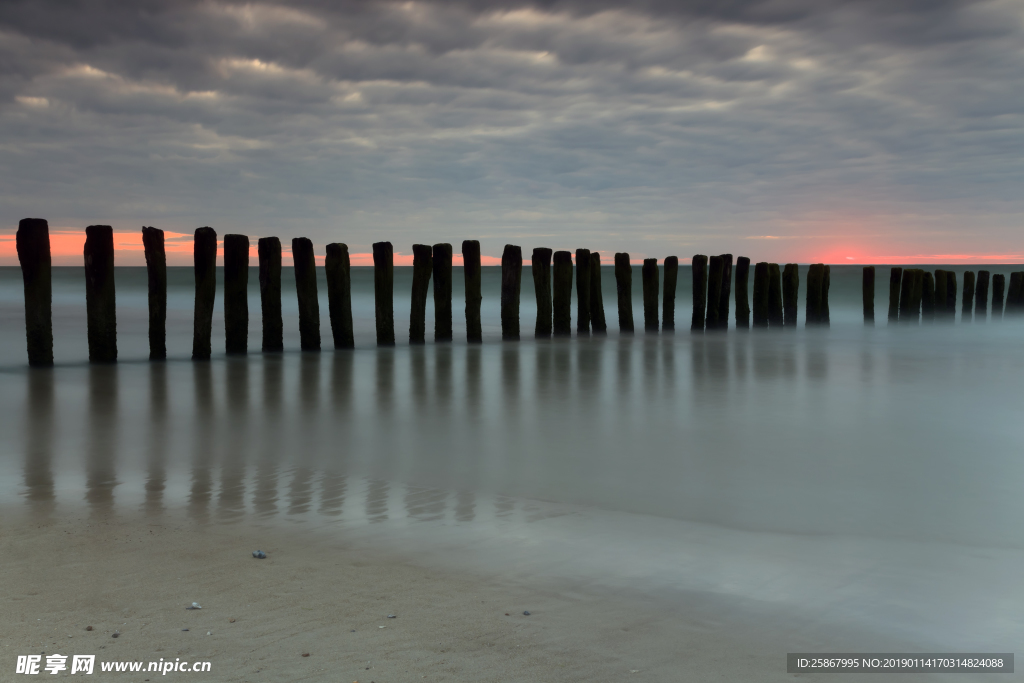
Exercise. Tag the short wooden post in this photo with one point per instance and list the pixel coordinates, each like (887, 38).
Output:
(699, 267)
(998, 290)
(597, 320)
(624, 292)
(33, 244)
(790, 294)
(582, 292)
(715, 268)
(442, 264)
(761, 294)
(562, 295)
(1015, 294)
(422, 267)
(776, 315)
(649, 273)
(928, 298)
(541, 264)
(966, 306)
(384, 292)
(895, 279)
(236, 293)
(156, 273)
(812, 305)
(940, 295)
(868, 294)
(204, 257)
(825, 317)
(471, 267)
(511, 284)
(337, 267)
(269, 249)
(723, 301)
(101, 309)
(305, 290)
(981, 297)
(742, 293)
(907, 296)
(668, 296)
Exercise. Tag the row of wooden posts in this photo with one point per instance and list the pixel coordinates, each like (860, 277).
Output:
(914, 293)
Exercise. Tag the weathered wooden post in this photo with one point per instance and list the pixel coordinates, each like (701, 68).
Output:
(649, 273)
(269, 249)
(1014, 294)
(723, 301)
(776, 315)
(825, 318)
(868, 294)
(742, 292)
(156, 273)
(384, 292)
(442, 263)
(624, 290)
(236, 294)
(471, 268)
(204, 257)
(895, 278)
(699, 266)
(715, 271)
(562, 296)
(951, 295)
(33, 244)
(916, 295)
(998, 288)
(966, 306)
(101, 309)
(907, 296)
(790, 294)
(812, 306)
(305, 290)
(928, 298)
(541, 263)
(339, 295)
(981, 297)
(597, 321)
(422, 266)
(761, 294)
(940, 295)
(511, 284)
(582, 292)
(668, 297)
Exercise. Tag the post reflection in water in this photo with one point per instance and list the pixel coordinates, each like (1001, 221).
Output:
(306, 442)
(156, 470)
(235, 439)
(265, 496)
(202, 441)
(101, 442)
(334, 483)
(39, 432)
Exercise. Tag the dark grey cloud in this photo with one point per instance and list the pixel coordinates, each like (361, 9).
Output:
(656, 127)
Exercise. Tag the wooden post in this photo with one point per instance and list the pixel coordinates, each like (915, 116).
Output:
(442, 262)
(541, 263)
(761, 294)
(790, 295)
(940, 295)
(562, 296)
(156, 272)
(624, 290)
(33, 244)
(742, 291)
(1014, 294)
(951, 295)
(649, 273)
(471, 267)
(699, 266)
(906, 296)
(723, 301)
(981, 297)
(384, 292)
(895, 277)
(668, 297)
(305, 290)
(339, 295)
(236, 293)
(776, 309)
(868, 294)
(511, 284)
(597, 320)
(917, 295)
(998, 288)
(966, 310)
(825, 318)
(204, 257)
(582, 292)
(422, 266)
(269, 249)
(715, 268)
(101, 309)
(812, 306)
(928, 298)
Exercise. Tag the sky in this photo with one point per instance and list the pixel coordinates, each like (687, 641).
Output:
(888, 131)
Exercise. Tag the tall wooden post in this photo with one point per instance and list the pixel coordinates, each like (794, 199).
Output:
(442, 263)
(649, 273)
(951, 295)
(236, 293)
(981, 297)
(699, 266)
(1014, 294)
(790, 294)
(541, 263)
(269, 249)
(624, 292)
(471, 267)
(582, 292)
(562, 295)
(305, 290)
(966, 310)
(868, 294)
(422, 266)
(715, 268)
(895, 278)
(825, 317)
(723, 301)
(998, 289)
(940, 295)
(776, 309)
(33, 244)
(742, 292)
(156, 273)
(928, 298)
(597, 320)
(812, 306)
(101, 308)
(384, 292)
(511, 284)
(668, 297)
(761, 294)
(907, 296)
(205, 260)
(339, 295)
